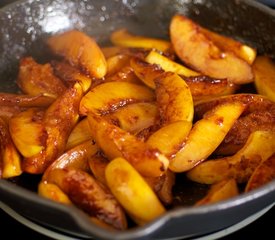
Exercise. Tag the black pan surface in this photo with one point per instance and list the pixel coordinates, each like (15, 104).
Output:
(24, 27)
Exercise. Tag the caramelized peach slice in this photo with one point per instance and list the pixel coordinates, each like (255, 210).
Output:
(263, 174)
(220, 191)
(35, 79)
(125, 39)
(80, 133)
(98, 164)
(81, 51)
(147, 73)
(241, 50)
(112, 51)
(134, 117)
(115, 63)
(196, 50)
(132, 191)
(59, 120)
(20, 100)
(203, 87)
(170, 138)
(259, 146)
(264, 72)
(174, 99)
(53, 192)
(10, 160)
(205, 136)
(28, 132)
(76, 157)
(109, 96)
(125, 74)
(168, 65)
(70, 75)
(89, 195)
(116, 142)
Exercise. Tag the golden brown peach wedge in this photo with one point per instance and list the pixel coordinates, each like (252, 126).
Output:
(116, 142)
(263, 174)
(53, 192)
(220, 191)
(205, 136)
(146, 72)
(125, 39)
(80, 133)
(174, 99)
(195, 49)
(259, 146)
(28, 132)
(34, 79)
(115, 63)
(89, 195)
(76, 158)
(59, 120)
(23, 101)
(204, 87)
(80, 50)
(70, 75)
(10, 159)
(98, 164)
(107, 97)
(264, 71)
(240, 49)
(132, 191)
(125, 74)
(168, 65)
(169, 139)
(134, 117)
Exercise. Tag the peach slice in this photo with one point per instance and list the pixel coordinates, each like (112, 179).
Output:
(170, 138)
(80, 133)
(116, 142)
(168, 65)
(80, 50)
(174, 99)
(35, 79)
(115, 63)
(71, 74)
(125, 39)
(205, 136)
(263, 174)
(107, 97)
(76, 158)
(241, 50)
(59, 120)
(132, 191)
(146, 72)
(259, 146)
(134, 117)
(23, 101)
(10, 159)
(220, 191)
(28, 132)
(53, 192)
(264, 71)
(89, 195)
(195, 49)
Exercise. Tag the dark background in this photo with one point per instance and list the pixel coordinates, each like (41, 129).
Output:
(262, 227)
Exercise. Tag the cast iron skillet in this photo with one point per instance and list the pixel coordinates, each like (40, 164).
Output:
(25, 25)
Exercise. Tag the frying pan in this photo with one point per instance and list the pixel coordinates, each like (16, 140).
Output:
(24, 27)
